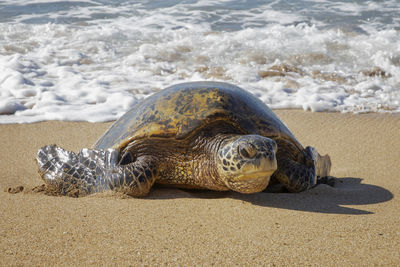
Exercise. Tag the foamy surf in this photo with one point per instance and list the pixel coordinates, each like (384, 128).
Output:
(93, 60)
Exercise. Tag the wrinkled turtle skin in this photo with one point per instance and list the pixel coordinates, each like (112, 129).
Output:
(206, 135)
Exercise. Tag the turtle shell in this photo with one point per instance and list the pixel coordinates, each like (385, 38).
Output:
(184, 109)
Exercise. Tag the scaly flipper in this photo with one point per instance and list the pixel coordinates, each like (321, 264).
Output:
(92, 171)
(297, 177)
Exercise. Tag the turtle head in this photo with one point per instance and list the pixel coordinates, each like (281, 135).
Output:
(245, 163)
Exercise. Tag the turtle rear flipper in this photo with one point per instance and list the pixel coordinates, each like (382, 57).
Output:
(90, 171)
(322, 165)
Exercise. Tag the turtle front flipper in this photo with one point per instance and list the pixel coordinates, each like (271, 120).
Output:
(297, 177)
(92, 171)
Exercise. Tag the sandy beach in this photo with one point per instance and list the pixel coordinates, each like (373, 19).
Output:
(355, 223)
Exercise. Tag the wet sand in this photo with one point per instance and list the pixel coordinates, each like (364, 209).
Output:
(355, 223)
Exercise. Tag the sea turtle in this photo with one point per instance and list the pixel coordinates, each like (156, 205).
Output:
(206, 135)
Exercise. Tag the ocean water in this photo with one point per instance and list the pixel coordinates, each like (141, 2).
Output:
(91, 60)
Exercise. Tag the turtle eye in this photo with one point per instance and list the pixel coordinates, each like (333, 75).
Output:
(126, 159)
(247, 150)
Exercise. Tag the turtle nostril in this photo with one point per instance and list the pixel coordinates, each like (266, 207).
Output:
(247, 150)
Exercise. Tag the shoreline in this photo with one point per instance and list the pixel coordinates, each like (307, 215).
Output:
(354, 223)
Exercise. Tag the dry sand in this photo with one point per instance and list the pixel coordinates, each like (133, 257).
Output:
(355, 223)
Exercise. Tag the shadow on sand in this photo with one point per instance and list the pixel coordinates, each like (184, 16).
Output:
(323, 198)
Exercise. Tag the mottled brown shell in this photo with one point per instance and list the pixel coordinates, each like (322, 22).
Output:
(184, 109)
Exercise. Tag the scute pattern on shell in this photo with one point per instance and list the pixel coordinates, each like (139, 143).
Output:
(182, 110)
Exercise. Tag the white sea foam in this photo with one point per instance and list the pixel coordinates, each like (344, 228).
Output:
(94, 61)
